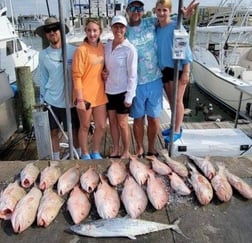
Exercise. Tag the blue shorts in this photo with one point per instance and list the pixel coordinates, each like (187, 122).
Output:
(148, 100)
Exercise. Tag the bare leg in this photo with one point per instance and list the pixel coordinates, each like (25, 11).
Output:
(152, 132)
(84, 117)
(99, 115)
(55, 140)
(115, 132)
(169, 87)
(75, 138)
(124, 129)
(180, 107)
(138, 128)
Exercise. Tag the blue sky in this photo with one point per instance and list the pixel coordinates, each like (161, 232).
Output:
(39, 6)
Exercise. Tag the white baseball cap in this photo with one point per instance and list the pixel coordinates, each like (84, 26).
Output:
(132, 1)
(119, 19)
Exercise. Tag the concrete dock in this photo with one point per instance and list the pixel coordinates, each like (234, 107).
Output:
(218, 222)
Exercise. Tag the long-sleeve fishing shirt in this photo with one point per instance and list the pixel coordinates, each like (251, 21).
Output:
(121, 64)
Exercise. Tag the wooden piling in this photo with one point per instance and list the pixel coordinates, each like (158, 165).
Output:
(26, 97)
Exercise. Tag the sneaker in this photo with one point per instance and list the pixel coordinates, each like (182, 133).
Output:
(167, 131)
(85, 157)
(176, 136)
(96, 155)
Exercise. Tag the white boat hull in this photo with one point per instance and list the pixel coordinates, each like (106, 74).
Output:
(221, 86)
(13, 51)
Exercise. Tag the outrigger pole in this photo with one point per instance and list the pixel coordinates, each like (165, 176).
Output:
(176, 77)
(66, 81)
(48, 9)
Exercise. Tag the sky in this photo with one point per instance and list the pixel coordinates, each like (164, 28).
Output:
(26, 7)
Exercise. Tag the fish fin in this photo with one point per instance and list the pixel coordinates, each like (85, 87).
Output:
(176, 228)
(132, 237)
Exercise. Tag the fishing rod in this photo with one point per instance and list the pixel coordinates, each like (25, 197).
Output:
(48, 9)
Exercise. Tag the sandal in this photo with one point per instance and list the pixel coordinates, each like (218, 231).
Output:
(114, 156)
(156, 154)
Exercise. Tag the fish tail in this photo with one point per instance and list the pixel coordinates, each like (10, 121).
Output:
(175, 227)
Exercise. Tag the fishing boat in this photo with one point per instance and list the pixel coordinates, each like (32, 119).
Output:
(8, 123)
(222, 61)
(13, 51)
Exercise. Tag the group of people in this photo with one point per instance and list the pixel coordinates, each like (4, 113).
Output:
(125, 77)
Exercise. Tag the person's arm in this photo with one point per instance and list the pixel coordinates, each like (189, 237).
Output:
(190, 9)
(78, 67)
(132, 77)
(43, 77)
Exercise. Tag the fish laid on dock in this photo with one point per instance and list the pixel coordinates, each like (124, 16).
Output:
(68, 180)
(9, 198)
(178, 185)
(49, 207)
(176, 166)
(239, 184)
(26, 210)
(49, 176)
(78, 204)
(157, 191)
(116, 173)
(28, 175)
(107, 200)
(122, 227)
(89, 180)
(139, 170)
(204, 164)
(133, 197)
(158, 166)
(202, 187)
(221, 185)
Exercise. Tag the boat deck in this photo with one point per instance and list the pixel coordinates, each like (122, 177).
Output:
(23, 146)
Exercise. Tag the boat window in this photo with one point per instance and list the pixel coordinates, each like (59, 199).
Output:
(10, 47)
(18, 46)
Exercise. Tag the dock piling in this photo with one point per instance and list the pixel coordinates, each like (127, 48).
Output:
(26, 97)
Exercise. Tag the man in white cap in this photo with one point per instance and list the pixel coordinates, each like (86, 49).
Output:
(141, 32)
(52, 88)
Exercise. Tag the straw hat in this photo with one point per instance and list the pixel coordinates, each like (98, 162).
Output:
(48, 22)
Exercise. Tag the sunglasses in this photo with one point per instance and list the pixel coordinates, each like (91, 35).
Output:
(51, 28)
(133, 8)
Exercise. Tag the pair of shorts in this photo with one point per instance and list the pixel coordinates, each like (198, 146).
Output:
(168, 74)
(148, 100)
(60, 113)
(116, 102)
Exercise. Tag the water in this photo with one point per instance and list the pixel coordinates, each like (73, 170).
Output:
(218, 110)
(194, 93)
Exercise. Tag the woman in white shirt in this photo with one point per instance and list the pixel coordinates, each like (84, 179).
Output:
(120, 85)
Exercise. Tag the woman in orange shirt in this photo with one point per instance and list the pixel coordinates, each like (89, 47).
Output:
(88, 88)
